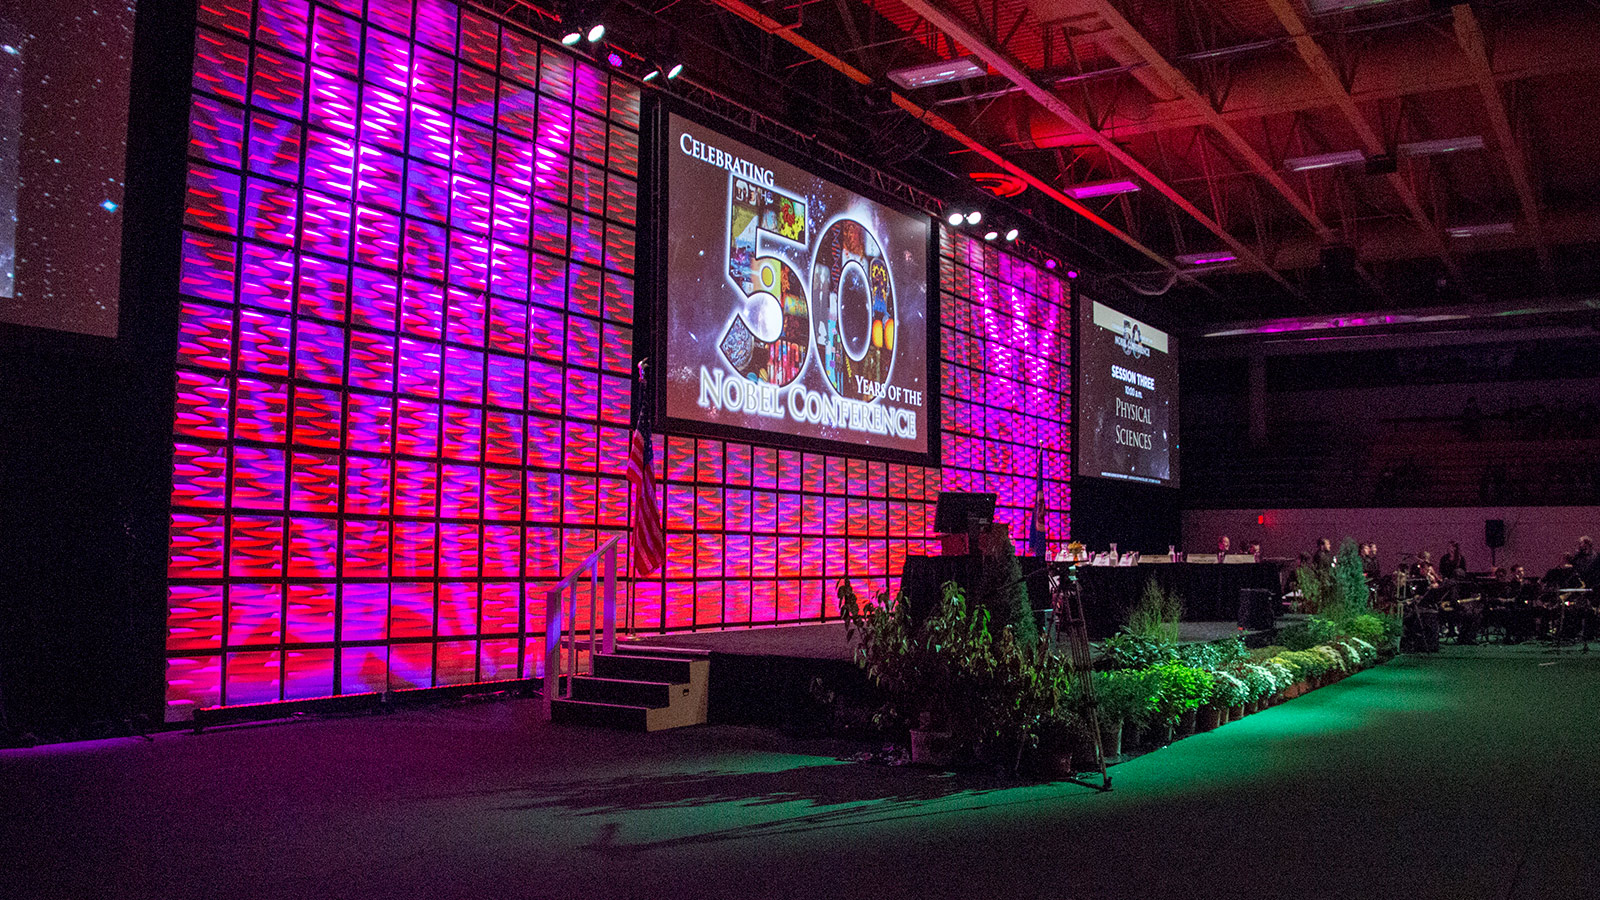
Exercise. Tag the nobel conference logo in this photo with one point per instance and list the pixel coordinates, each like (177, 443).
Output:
(1132, 340)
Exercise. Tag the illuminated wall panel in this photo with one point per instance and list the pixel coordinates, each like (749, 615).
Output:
(407, 277)
(405, 346)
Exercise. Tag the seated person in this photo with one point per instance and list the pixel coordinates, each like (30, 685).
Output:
(1453, 564)
(1585, 565)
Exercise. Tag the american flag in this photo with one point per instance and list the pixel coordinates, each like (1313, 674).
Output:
(649, 545)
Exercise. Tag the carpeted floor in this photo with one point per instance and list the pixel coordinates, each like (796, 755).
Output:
(1463, 775)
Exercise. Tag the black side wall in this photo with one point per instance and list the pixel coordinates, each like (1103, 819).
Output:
(85, 449)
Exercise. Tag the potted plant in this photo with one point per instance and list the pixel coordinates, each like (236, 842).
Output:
(1119, 698)
(959, 686)
(1183, 689)
(1228, 693)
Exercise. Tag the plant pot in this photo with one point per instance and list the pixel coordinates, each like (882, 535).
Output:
(1111, 738)
(1224, 715)
(932, 748)
(1207, 718)
(1164, 734)
(1236, 713)
(1132, 735)
(1186, 721)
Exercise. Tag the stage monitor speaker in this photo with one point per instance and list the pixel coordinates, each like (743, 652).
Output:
(1494, 533)
(957, 512)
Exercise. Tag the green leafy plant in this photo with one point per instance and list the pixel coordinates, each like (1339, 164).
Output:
(953, 672)
(1258, 681)
(1313, 587)
(1180, 688)
(1135, 651)
(1282, 675)
(1125, 695)
(1366, 626)
(1348, 596)
(1003, 591)
(1228, 689)
(1156, 614)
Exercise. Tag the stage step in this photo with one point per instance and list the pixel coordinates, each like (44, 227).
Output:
(638, 693)
(643, 668)
(653, 694)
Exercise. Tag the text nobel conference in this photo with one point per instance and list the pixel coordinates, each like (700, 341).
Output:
(717, 391)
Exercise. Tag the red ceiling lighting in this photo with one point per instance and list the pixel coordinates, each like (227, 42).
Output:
(1000, 184)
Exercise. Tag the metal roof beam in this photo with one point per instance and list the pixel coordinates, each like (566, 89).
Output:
(1470, 36)
(938, 123)
(1046, 98)
(1327, 75)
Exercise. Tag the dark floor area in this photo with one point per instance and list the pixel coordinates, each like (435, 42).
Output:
(1463, 775)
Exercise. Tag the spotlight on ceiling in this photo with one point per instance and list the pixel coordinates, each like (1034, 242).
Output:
(580, 20)
(1012, 234)
(991, 235)
(674, 70)
(614, 58)
(1214, 258)
(956, 218)
(1049, 264)
(974, 217)
(1102, 189)
(1325, 160)
(1072, 273)
(942, 72)
(651, 75)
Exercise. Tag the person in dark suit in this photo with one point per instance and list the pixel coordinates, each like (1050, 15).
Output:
(1453, 564)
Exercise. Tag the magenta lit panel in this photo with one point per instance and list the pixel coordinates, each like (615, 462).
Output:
(406, 329)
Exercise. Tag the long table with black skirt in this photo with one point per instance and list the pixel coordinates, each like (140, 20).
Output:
(1210, 591)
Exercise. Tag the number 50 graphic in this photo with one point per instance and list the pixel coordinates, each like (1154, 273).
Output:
(771, 338)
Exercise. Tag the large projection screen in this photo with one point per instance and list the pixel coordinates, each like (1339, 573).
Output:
(1127, 397)
(64, 68)
(796, 310)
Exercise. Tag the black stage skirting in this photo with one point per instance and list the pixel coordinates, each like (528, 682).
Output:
(1210, 591)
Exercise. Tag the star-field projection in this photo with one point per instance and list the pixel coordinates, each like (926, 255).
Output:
(63, 126)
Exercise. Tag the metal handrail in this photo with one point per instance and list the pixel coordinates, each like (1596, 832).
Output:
(554, 631)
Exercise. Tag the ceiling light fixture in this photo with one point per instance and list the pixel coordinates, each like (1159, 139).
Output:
(991, 235)
(1205, 259)
(1472, 231)
(1443, 145)
(1012, 234)
(974, 217)
(1102, 189)
(944, 71)
(1324, 160)
(956, 218)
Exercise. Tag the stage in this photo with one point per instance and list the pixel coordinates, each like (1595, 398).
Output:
(779, 676)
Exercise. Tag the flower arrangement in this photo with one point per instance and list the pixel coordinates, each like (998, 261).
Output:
(1229, 690)
(1258, 681)
(1336, 660)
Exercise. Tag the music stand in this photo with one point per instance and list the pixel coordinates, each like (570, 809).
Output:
(958, 512)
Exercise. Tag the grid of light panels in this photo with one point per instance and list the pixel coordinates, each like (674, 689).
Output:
(404, 371)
